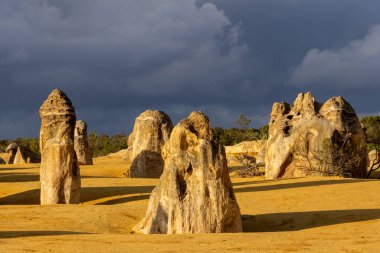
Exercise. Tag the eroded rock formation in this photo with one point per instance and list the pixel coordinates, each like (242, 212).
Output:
(5, 157)
(150, 132)
(81, 146)
(11, 151)
(255, 149)
(24, 156)
(310, 138)
(59, 173)
(16, 154)
(194, 194)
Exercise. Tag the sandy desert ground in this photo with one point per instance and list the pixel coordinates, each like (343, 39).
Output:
(291, 215)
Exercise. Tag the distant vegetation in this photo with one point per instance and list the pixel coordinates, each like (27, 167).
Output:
(372, 124)
(232, 136)
(243, 122)
(31, 143)
(102, 144)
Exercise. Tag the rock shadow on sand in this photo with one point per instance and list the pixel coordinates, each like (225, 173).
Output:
(295, 221)
(29, 197)
(18, 177)
(124, 200)
(18, 234)
(295, 185)
(13, 167)
(32, 197)
(97, 193)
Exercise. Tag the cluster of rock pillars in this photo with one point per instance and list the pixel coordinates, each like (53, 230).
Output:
(194, 193)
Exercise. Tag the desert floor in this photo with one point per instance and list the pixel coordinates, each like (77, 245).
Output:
(290, 215)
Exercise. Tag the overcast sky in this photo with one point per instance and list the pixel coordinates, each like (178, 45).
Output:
(117, 58)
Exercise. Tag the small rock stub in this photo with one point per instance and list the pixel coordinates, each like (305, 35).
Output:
(16, 154)
(24, 156)
(11, 150)
(256, 149)
(194, 193)
(310, 138)
(150, 132)
(59, 172)
(81, 146)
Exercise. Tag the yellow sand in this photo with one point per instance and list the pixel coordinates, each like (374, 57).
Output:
(292, 215)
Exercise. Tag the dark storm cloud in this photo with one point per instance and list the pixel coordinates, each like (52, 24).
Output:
(283, 35)
(117, 58)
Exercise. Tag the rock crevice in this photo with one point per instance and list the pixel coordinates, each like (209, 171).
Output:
(194, 194)
(310, 138)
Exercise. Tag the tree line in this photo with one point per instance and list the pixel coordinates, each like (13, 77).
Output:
(102, 144)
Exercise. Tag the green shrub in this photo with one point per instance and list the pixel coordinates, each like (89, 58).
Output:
(232, 136)
(102, 145)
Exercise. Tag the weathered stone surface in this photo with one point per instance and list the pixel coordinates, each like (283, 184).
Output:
(59, 173)
(6, 157)
(24, 156)
(150, 132)
(11, 150)
(256, 149)
(81, 146)
(122, 154)
(304, 139)
(19, 157)
(16, 154)
(194, 194)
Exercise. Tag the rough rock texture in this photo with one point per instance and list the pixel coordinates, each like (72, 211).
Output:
(6, 157)
(194, 194)
(16, 154)
(256, 149)
(82, 149)
(307, 135)
(59, 173)
(150, 132)
(19, 157)
(24, 156)
(121, 154)
(11, 150)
